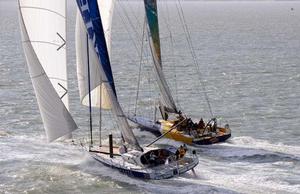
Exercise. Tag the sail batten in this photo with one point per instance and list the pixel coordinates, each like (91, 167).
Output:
(45, 61)
(153, 30)
(92, 18)
(42, 9)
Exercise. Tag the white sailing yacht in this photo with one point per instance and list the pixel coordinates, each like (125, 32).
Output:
(43, 28)
(180, 127)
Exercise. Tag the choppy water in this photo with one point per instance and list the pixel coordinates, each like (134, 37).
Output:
(249, 58)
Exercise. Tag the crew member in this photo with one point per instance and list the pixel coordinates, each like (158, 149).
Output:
(201, 124)
(181, 152)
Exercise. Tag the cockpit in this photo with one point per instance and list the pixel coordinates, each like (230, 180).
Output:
(156, 157)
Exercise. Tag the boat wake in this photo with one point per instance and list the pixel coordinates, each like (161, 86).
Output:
(149, 186)
(243, 164)
(250, 142)
(250, 148)
(251, 165)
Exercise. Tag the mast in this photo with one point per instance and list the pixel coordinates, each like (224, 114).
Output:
(93, 22)
(90, 98)
(153, 30)
(96, 82)
(100, 116)
(97, 91)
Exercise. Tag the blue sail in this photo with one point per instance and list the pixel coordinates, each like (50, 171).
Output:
(91, 17)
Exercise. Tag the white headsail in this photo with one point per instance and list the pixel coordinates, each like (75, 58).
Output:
(107, 8)
(43, 28)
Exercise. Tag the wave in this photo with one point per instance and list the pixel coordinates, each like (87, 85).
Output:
(4, 133)
(243, 164)
(258, 144)
(248, 149)
(174, 185)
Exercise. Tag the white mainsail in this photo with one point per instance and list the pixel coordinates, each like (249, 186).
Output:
(153, 29)
(43, 29)
(107, 8)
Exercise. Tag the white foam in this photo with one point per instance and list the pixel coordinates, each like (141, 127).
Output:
(4, 133)
(220, 176)
(249, 142)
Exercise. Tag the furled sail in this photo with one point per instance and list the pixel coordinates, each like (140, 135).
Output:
(43, 29)
(81, 58)
(93, 22)
(153, 29)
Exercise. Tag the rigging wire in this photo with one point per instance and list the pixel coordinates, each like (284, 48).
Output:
(132, 11)
(194, 56)
(140, 67)
(152, 91)
(135, 36)
(167, 21)
(128, 32)
(133, 27)
(164, 134)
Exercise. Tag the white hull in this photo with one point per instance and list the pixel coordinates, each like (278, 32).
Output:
(162, 171)
(147, 124)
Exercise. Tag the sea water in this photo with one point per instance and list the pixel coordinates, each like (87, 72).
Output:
(248, 62)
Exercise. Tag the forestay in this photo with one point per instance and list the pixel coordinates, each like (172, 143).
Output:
(107, 8)
(43, 28)
(93, 23)
(153, 29)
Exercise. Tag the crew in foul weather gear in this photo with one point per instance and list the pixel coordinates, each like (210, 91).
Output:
(201, 124)
(181, 152)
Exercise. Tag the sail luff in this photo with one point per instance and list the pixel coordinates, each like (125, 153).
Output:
(55, 115)
(153, 29)
(93, 22)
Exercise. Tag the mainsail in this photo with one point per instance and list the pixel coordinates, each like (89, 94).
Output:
(107, 8)
(153, 29)
(93, 22)
(43, 28)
